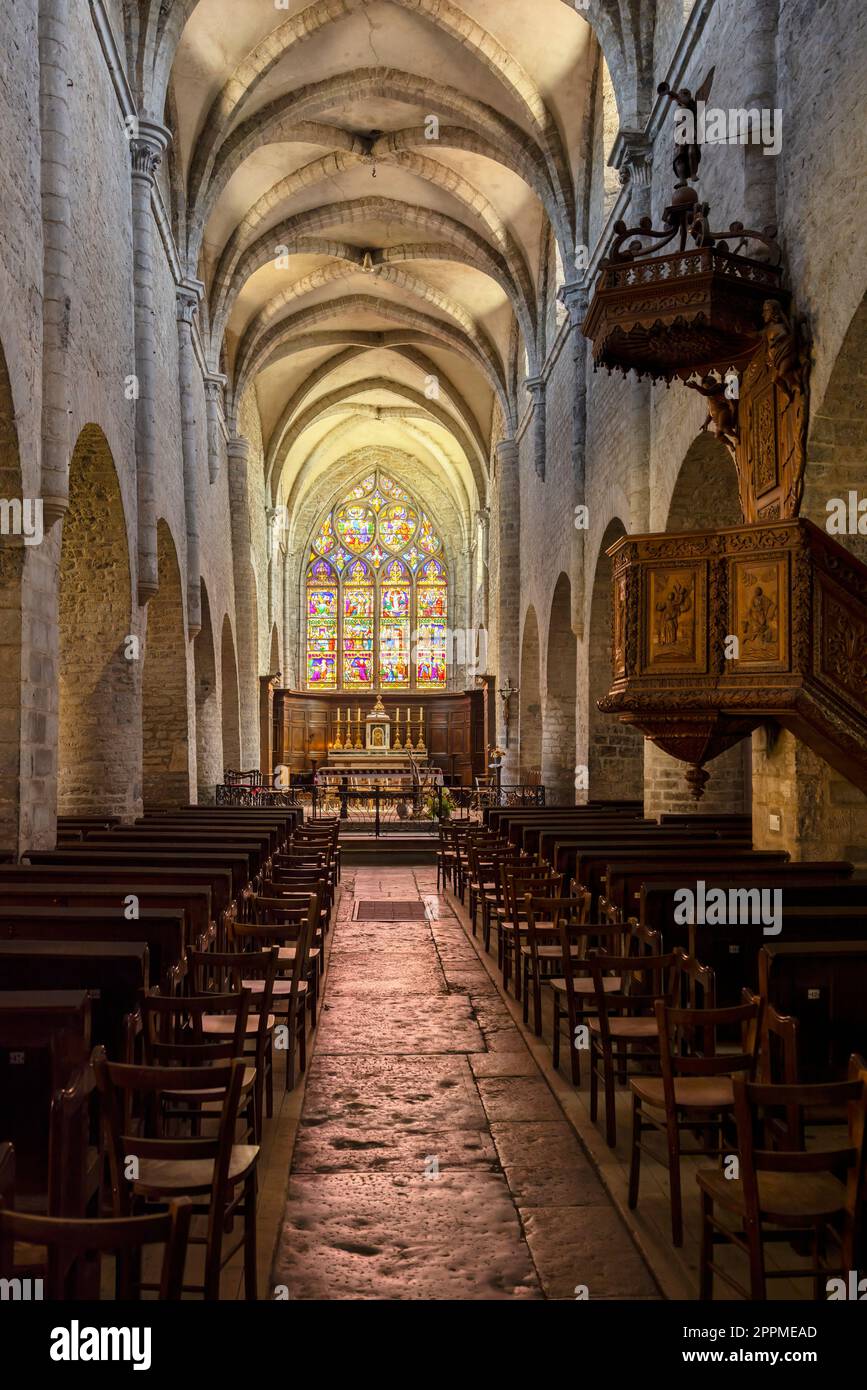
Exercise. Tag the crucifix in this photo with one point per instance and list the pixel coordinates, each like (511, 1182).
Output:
(506, 693)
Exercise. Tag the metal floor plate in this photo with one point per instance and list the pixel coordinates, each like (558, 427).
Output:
(388, 910)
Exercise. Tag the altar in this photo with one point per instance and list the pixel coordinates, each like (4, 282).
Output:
(381, 758)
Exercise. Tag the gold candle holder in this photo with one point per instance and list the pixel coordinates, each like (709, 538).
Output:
(420, 741)
(338, 742)
(397, 743)
(358, 743)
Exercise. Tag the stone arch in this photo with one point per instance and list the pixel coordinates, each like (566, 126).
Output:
(165, 722)
(230, 708)
(705, 495)
(838, 436)
(100, 669)
(11, 567)
(561, 678)
(614, 750)
(209, 735)
(530, 727)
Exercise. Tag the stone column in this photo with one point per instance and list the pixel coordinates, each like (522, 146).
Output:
(292, 676)
(57, 268)
(215, 384)
(483, 523)
(536, 387)
(188, 298)
(575, 297)
(509, 617)
(238, 451)
(146, 149)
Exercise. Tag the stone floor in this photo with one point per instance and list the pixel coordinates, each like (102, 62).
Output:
(432, 1159)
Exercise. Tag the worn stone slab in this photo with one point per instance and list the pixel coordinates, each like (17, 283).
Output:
(516, 1063)
(418, 1094)
(585, 1245)
(394, 972)
(441, 1023)
(382, 1236)
(517, 1098)
(336, 1148)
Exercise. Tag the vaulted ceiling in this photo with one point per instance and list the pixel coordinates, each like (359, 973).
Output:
(369, 189)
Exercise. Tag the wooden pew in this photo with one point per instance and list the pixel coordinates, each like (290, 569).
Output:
(587, 859)
(805, 883)
(824, 985)
(113, 972)
(138, 837)
(623, 876)
(205, 894)
(163, 930)
(44, 1039)
(134, 856)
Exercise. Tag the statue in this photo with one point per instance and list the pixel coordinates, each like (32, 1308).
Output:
(688, 154)
(785, 353)
(670, 610)
(722, 412)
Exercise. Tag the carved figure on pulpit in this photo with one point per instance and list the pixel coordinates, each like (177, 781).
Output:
(758, 624)
(677, 602)
(722, 412)
(784, 350)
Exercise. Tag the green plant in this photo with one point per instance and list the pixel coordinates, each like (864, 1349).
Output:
(438, 804)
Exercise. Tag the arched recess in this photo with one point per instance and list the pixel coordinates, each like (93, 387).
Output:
(11, 565)
(209, 735)
(531, 698)
(561, 675)
(705, 496)
(230, 710)
(615, 757)
(838, 438)
(165, 723)
(99, 738)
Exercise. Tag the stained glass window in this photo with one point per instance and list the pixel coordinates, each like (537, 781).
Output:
(322, 594)
(431, 618)
(382, 589)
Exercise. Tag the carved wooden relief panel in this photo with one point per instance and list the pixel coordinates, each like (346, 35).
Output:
(760, 599)
(674, 619)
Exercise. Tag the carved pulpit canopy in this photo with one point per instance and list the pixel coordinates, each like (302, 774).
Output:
(710, 308)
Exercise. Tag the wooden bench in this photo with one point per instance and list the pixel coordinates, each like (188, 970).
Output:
(163, 930)
(203, 893)
(96, 858)
(113, 972)
(141, 838)
(44, 1039)
(824, 985)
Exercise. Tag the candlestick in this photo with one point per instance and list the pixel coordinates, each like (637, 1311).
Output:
(358, 742)
(397, 743)
(338, 742)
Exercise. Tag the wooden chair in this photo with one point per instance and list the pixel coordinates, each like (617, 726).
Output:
(625, 1020)
(541, 953)
(67, 1241)
(778, 1066)
(291, 928)
(252, 973)
(215, 1170)
(518, 880)
(694, 1091)
(791, 1191)
(573, 993)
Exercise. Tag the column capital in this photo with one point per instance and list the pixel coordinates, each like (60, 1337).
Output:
(188, 297)
(536, 386)
(238, 448)
(632, 156)
(148, 143)
(575, 295)
(215, 385)
(483, 517)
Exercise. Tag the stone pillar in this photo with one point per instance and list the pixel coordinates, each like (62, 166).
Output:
(758, 67)
(58, 278)
(576, 297)
(509, 617)
(482, 597)
(536, 387)
(238, 451)
(293, 675)
(215, 385)
(188, 297)
(146, 149)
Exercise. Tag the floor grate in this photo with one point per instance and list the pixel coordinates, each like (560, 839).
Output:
(388, 910)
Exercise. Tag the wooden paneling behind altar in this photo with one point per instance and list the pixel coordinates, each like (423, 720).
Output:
(454, 726)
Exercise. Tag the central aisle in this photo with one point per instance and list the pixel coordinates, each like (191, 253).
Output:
(432, 1160)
